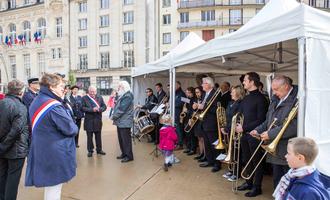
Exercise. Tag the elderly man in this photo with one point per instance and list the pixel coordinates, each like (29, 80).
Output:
(284, 98)
(76, 102)
(93, 106)
(123, 119)
(14, 139)
(32, 92)
(209, 124)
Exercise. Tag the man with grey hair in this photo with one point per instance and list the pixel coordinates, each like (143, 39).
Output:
(14, 139)
(123, 118)
(283, 100)
(93, 105)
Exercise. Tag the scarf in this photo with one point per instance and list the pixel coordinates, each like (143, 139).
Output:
(284, 183)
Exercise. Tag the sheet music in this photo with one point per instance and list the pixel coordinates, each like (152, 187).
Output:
(185, 100)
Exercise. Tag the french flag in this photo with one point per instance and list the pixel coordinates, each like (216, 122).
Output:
(16, 40)
(8, 41)
(23, 40)
(37, 37)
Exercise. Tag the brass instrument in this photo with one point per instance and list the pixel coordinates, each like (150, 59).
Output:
(221, 121)
(192, 121)
(183, 113)
(232, 158)
(208, 106)
(271, 148)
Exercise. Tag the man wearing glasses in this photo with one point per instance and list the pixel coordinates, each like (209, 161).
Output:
(150, 101)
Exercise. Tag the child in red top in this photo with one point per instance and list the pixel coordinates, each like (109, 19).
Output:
(167, 140)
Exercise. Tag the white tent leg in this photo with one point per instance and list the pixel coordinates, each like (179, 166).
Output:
(173, 94)
(302, 86)
(170, 92)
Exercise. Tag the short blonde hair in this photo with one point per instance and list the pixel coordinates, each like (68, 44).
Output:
(306, 147)
(239, 91)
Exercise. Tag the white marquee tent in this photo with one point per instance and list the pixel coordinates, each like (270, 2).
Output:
(284, 37)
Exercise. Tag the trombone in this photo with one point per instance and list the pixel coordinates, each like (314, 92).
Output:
(270, 148)
(232, 158)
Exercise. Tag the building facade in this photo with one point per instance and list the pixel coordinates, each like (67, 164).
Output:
(34, 38)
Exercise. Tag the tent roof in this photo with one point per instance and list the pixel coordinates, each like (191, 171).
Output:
(191, 41)
(278, 21)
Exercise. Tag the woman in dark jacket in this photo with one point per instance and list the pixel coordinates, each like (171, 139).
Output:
(237, 94)
(14, 137)
(52, 158)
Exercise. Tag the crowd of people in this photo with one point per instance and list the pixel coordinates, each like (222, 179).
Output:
(44, 120)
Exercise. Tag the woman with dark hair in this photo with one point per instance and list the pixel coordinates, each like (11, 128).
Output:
(52, 158)
(199, 93)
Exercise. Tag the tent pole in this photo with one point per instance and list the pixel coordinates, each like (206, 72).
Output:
(301, 85)
(170, 92)
(173, 94)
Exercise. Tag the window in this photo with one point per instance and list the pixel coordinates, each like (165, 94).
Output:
(235, 17)
(128, 17)
(104, 4)
(166, 19)
(27, 31)
(12, 60)
(82, 24)
(235, 2)
(27, 2)
(208, 15)
(83, 83)
(207, 35)
(41, 63)
(82, 7)
(12, 32)
(27, 65)
(104, 39)
(128, 2)
(126, 78)
(129, 58)
(232, 30)
(257, 10)
(104, 21)
(128, 37)
(166, 3)
(105, 60)
(42, 27)
(165, 52)
(59, 53)
(53, 53)
(1, 35)
(183, 34)
(83, 41)
(184, 17)
(103, 85)
(83, 62)
(11, 4)
(166, 38)
(59, 31)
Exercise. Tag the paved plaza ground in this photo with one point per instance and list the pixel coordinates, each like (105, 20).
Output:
(106, 178)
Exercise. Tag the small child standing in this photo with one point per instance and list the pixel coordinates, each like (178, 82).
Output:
(167, 140)
(303, 181)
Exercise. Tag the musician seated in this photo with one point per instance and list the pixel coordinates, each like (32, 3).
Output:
(303, 181)
(150, 101)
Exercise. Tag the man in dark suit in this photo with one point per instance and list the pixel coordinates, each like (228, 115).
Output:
(32, 92)
(160, 93)
(76, 102)
(93, 106)
(225, 94)
(209, 124)
(150, 100)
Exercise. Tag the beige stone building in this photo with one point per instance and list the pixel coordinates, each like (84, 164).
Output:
(23, 19)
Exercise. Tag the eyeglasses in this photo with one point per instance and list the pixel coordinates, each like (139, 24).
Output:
(147, 91)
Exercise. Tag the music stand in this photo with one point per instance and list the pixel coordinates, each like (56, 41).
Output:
(155, 151)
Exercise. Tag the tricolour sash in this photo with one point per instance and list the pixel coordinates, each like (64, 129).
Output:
(94, 101)
(42, 111)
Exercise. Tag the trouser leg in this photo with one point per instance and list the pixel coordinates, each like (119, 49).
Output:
(15, 167)
(53, 192)
(98, 141)
(90, 145)
(125, 134)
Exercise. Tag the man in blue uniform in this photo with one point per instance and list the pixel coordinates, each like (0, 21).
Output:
(32, 92)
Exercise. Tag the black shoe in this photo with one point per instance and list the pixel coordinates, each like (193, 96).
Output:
(90, 154)
(120, 157)
(206, 164)
(199, 157)
(244, 186)
(165, 167)
(77, 146)
(169, 164)
(101, 153)
(254, 192)
(126, 159)
(186, 151)
(190, 153)
(216, 168)
(202, 160)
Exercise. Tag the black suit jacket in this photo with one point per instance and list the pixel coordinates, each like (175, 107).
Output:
(225, 99)
(209, 123)
(150, 102)
(93, 120)
(160, 95)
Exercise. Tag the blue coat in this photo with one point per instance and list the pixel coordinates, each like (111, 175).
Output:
(28, 98)
(52, 157)
(312, 187)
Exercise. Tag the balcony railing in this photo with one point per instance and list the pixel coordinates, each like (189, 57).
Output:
(204, 3)
(233, 21)
(323, 4)
(18, 6)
